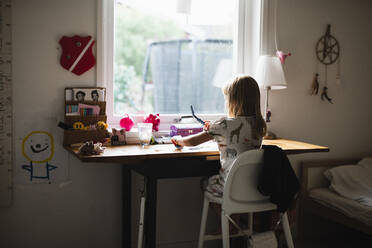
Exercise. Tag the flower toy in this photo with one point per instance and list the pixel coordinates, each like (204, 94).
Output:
(101, 125)
(282, 56)
(127, 122)
(154, 119)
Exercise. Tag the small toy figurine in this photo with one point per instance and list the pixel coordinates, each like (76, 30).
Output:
(127, 122)
(118, 137)
(282, 56)
(154, 119)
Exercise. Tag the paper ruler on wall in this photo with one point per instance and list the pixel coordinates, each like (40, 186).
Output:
(6, 132)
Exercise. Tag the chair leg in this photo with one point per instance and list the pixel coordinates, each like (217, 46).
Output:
(141, 222)
(203, 222)
(250, 223)
(225, 231)
(287, 231)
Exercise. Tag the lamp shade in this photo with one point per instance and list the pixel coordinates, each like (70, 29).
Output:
(269, 73)
(183, 7)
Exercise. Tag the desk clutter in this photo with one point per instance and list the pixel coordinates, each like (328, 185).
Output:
(85, 115)
(85, 124)
(89, 148)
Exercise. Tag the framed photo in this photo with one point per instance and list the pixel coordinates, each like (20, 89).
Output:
(83, 94)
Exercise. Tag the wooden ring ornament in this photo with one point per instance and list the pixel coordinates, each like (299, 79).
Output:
(327, 49)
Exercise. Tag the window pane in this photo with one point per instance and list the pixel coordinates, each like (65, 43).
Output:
(165, 61)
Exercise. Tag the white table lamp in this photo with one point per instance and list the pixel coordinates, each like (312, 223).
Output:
(270, 76)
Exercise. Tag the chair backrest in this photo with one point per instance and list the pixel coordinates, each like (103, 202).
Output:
(242, 181)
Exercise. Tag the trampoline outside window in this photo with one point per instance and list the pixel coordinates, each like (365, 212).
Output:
(168, 56)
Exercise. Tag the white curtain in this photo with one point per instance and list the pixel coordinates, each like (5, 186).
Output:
(268, 27)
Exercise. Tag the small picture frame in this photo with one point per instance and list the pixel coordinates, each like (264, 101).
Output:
(84, 94)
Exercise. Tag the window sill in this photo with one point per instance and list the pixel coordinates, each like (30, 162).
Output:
(165, 120)
(164, 127)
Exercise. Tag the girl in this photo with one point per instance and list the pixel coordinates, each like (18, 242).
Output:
(242, 130)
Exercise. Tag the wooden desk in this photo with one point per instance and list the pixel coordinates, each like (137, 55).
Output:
(164, 161)
(130, 154)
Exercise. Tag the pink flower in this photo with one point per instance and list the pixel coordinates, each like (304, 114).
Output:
(154, 119)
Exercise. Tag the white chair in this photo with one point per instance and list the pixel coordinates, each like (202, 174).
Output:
(240, 195)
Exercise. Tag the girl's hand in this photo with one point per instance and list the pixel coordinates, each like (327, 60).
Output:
(206, 125)
(178, 141)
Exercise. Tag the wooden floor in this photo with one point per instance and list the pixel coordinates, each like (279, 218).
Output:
(321, 233)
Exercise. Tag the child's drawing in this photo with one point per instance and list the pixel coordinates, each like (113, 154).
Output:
(38, 149)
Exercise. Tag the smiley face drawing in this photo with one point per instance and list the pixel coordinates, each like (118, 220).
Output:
(38, 149)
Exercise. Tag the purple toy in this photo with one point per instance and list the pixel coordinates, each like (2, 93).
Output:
(185, 129)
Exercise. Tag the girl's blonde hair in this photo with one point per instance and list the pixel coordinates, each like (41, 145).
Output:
(243, 99)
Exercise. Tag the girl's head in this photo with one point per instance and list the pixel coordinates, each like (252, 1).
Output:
(243, 99)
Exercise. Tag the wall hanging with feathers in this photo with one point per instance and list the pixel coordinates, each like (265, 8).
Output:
(327, 51)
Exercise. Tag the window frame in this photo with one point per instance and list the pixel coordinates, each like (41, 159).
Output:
(246, 49)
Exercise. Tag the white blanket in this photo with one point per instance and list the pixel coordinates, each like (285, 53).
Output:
(346, 206)
(353, 181)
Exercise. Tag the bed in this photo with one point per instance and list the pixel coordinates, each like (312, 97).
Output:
(318, 199)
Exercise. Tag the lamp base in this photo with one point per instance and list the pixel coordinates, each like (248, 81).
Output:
(270, 135)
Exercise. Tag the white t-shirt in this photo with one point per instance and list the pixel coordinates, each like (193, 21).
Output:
(234, 136)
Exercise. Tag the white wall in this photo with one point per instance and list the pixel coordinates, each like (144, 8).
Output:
(343, 126)
(85, 213)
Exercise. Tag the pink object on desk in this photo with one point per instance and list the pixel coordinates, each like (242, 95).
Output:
(95, 108)
(154, 119)
(127, 122)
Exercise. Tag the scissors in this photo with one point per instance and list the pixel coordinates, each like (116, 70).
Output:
(197, 118)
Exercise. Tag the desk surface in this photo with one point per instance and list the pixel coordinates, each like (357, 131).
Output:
(208, 150)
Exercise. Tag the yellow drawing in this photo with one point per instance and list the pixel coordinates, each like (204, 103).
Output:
(38, 147)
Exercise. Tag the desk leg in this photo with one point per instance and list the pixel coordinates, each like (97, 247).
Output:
(126, 207)
(150, 214)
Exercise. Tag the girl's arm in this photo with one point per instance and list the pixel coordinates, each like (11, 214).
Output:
(192, 140)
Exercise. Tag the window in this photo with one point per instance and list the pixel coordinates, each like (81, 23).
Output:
(162, 56)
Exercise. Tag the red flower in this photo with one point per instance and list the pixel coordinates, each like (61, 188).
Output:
(154, 119)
